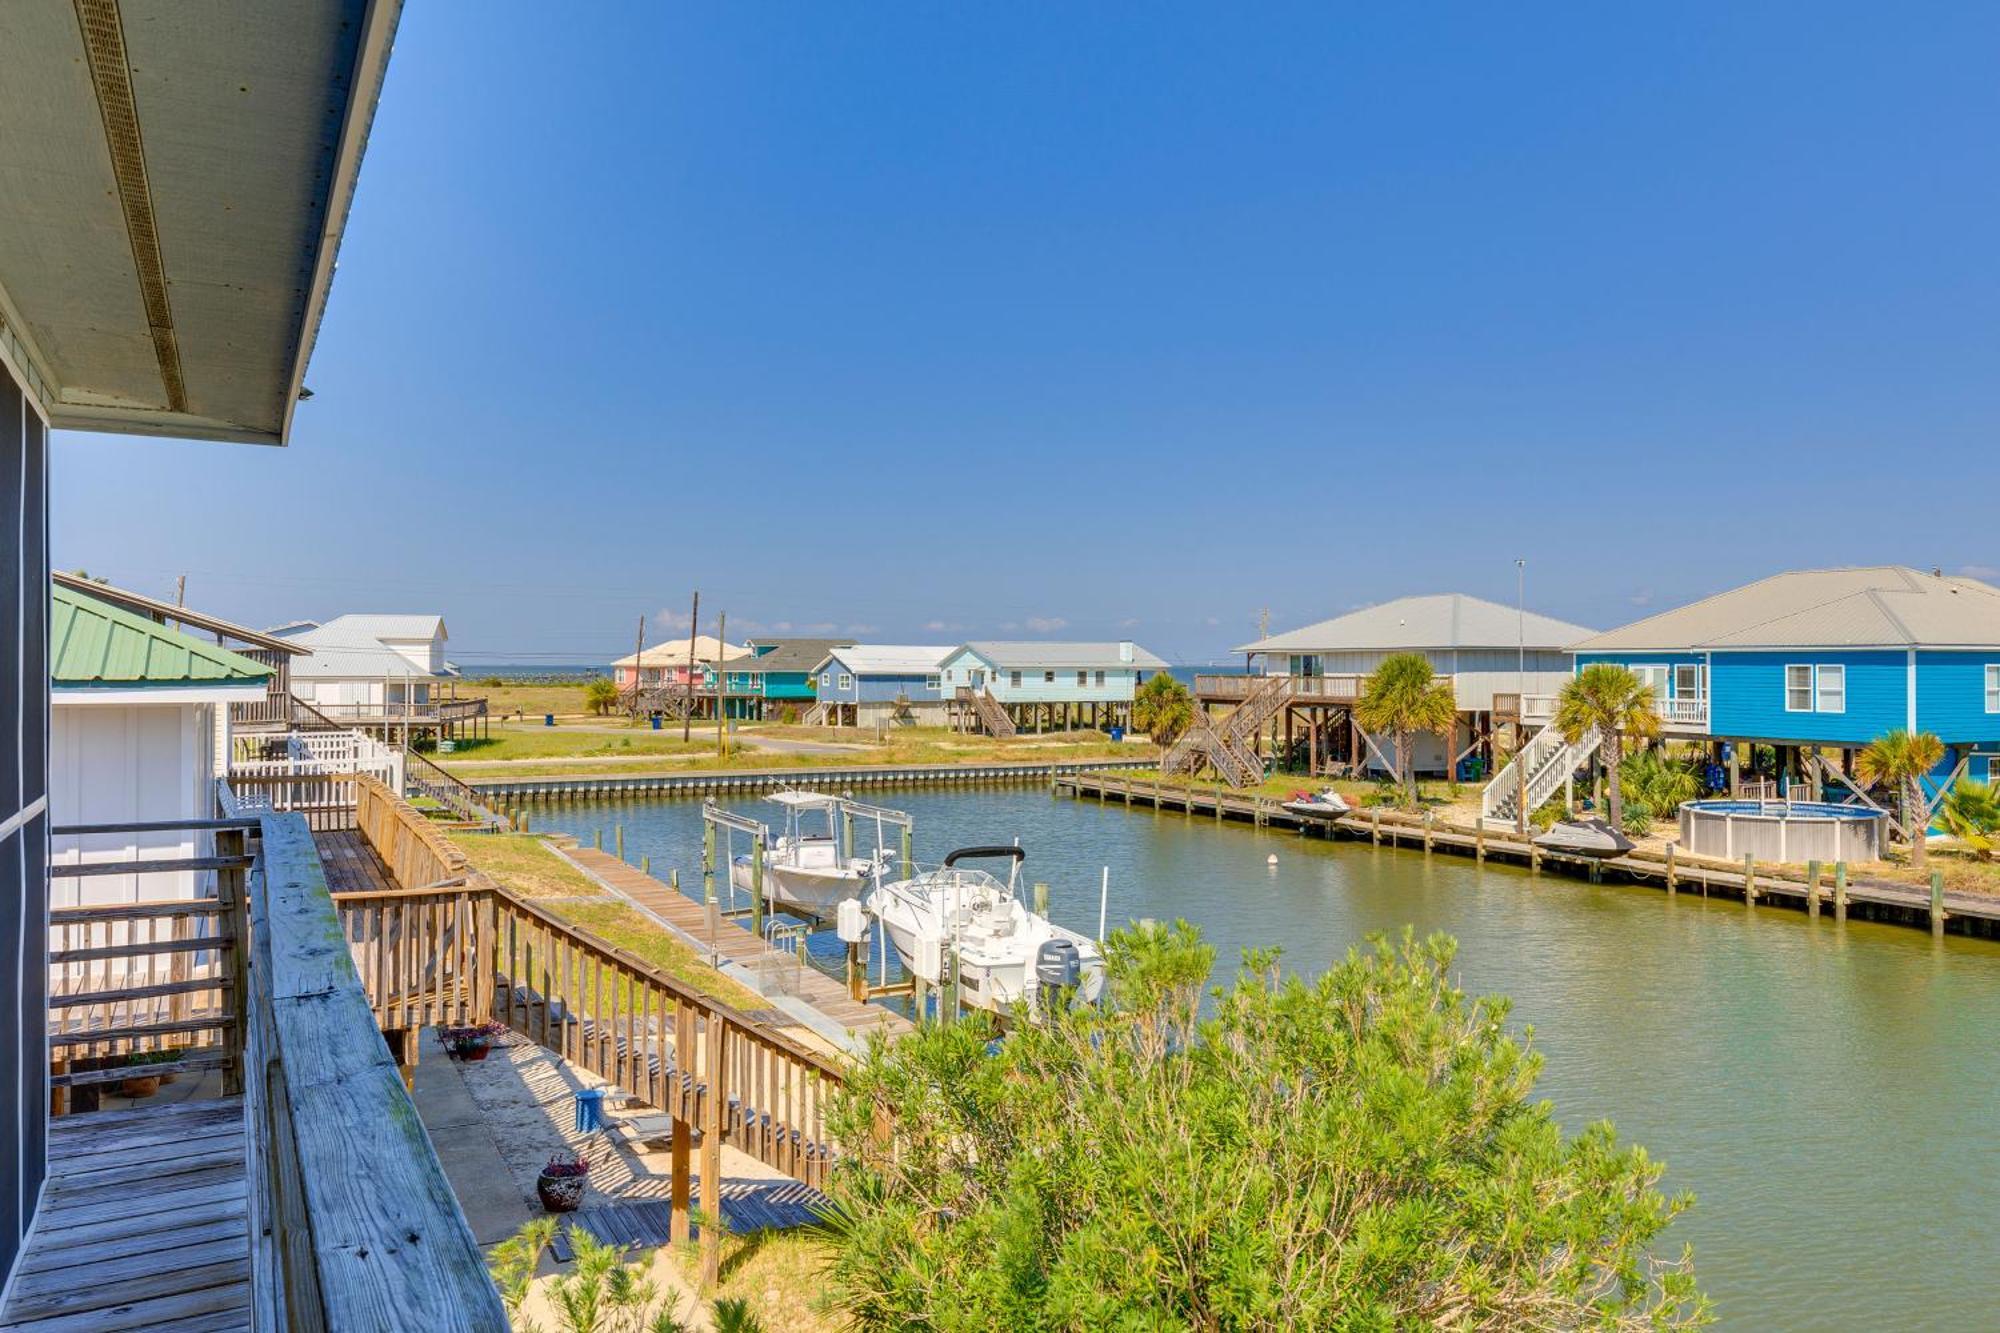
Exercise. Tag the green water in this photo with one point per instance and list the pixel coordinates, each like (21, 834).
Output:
(1830, 1093)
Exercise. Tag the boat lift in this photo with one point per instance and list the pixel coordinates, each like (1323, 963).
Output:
(728, 823)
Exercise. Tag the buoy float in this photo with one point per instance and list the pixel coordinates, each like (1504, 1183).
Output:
(1271, 860)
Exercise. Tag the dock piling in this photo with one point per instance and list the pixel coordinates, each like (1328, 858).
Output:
(1749, 879)
(618, 831)
(1840, 891)
(1041, 898)
(1812, 889)
(1673, 877)
(645, 864)
(1937, 902)
(597, 838)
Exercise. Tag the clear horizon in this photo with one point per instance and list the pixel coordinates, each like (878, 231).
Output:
(921, 324)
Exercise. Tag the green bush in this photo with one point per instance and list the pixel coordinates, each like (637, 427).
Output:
(1362, 1150)
(600, 696)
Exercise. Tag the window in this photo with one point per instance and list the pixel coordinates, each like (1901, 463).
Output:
(1798, 689)
(825, 678)
(1014, 679)
(1048, 678)
(1082, 679)
(1655, 677)
(846, 681)
(1687, 681)
(1832, 690)
(1993, 688)
(1100, 678)
(932, 683)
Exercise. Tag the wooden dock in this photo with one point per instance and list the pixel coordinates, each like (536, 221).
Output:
(718, 782)
(780, 972)
(1785, 885)
(143, 1225)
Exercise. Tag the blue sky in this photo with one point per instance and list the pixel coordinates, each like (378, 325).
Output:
(931, 322)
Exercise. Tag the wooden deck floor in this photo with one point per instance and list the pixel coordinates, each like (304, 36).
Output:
(737, 944)
(142, 1226)
(351, 863)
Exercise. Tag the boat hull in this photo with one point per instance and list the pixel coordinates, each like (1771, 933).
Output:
(813, 891)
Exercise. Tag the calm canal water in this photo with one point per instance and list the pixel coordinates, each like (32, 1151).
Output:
(1830, 1093)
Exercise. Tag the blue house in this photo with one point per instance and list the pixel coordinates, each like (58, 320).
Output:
(896, 683)
(777, 672)
(1046, 685)
(1818, 663)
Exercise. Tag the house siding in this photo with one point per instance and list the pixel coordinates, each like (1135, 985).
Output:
(1951, 697)
(1120, 683)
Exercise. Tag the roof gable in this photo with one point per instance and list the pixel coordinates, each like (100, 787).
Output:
(801, 655)
(93, 644)
(889, 659)
(1891, 606)
(1023, 654)
(1440, 620)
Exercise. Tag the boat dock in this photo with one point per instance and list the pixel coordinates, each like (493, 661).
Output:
(777, 974)
(717, 782)
(1672, 870)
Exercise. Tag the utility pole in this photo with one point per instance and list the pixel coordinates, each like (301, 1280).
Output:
(180, 598)
(1521, 697)
(721, 648)
(694, 619)
(638, 665)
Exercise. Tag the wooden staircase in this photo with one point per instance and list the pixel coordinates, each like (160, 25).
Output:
(1229, 746)
(993, 719)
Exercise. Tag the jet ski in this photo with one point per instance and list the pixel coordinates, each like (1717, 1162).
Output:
(1328, 804)
(1584, 837)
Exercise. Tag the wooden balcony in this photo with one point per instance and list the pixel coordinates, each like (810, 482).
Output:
(1341, 689)
(307, 1195)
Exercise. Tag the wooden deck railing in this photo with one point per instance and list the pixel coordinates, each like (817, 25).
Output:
(1305, 689)
(350, 1221)
(457, 947)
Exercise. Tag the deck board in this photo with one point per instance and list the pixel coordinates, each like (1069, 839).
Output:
(149, 1203)
(352, 865)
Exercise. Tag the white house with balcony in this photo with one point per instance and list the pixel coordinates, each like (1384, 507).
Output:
(1496, 657)
(383, 673)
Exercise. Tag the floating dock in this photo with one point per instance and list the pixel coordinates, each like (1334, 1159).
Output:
(1786, 885)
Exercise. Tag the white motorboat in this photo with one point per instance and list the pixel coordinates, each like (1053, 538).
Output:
(804, 870)
(1327, 804)
(1006, 954)
(1584, 837)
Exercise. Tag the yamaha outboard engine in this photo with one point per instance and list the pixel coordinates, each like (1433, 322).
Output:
(1059, 967)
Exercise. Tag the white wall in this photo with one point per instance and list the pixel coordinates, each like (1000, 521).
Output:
(130, 763)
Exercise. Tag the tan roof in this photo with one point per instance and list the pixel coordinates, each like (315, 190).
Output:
(1879, 606)
(1441, 620)
(674, 652)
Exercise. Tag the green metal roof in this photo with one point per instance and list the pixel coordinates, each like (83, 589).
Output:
(93, 643)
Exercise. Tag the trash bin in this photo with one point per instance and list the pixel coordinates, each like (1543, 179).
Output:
(548, 719)
(1117, 734)
(656, 722)
(589, 1110)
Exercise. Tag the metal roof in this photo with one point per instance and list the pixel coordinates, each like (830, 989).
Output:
(891, 659)
(174, 182)
(1438, 621)
(1890, 606)
(790, 654)
(367, 628)
(1028, 653)
(152, 608)
(93, 644)
(674, 652)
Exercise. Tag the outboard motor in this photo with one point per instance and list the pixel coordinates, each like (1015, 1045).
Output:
(1059, 964)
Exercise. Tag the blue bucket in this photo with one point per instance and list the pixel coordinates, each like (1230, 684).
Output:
(589, 1110)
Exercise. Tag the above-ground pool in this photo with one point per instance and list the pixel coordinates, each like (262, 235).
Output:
(1783, 830)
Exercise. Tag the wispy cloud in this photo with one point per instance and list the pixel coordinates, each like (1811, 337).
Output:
(1643, 597)
(782, 626)
(1046, 624)
(821, 627)
(1979, 571)
(1008, 625)
(857, 629)
(665, 620)
(943, 626)
(1129, 622)
(1212, 622)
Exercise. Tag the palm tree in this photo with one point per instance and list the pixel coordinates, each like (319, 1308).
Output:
(1616, 703)
(1162, 708)
(1899, 761)
(1971, 814)
(1403, 697)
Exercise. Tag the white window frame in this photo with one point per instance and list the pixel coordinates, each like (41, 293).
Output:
(1820, 673)
(1048, 677)
(1993, 687)
(1661, 677)
(933, 683)
(1100, 678)
(1700, 682)
(826, 680)
(846, 681)
(1806, 667)
(1083, 680)
(1014, 679)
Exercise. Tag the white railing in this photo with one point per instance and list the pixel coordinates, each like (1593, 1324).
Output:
(316, 754)
(1548, 759)
(1682, 712)
(1537, 707)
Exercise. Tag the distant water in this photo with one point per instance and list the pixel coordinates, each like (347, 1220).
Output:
(517, 671)
(1831, 1093)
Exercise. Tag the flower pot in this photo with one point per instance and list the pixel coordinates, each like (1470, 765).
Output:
(560, 1194)
(474, 1048)
(143, 1085)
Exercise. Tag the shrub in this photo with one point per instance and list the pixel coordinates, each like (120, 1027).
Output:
(1361, 1150)
(600, 696)
(788, 714)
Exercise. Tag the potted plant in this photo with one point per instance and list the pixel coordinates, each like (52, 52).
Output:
(471, 1043)
(560, 1185)
(147, 1083)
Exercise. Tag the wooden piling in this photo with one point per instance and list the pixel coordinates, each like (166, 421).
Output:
(1375, 824)
(1430, 817)
(1840, 891)
(1937, 901)
(1749, 879)
(645, 864)
(1479, 842)
(1041, 899)
(618, 831)
(1812, 889)
(597, 839)
(1673, 876)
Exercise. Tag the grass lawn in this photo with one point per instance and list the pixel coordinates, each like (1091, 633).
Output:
(530, 700)
(778, 1273)
(600, 738)
(1282, 785)
(524, 864)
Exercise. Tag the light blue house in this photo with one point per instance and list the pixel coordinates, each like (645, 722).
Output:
(896, 683)
(1817, 663)
(1050, 685)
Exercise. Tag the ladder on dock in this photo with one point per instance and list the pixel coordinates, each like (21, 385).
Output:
(993, 719)
(1229, 747)
(1549, 761)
